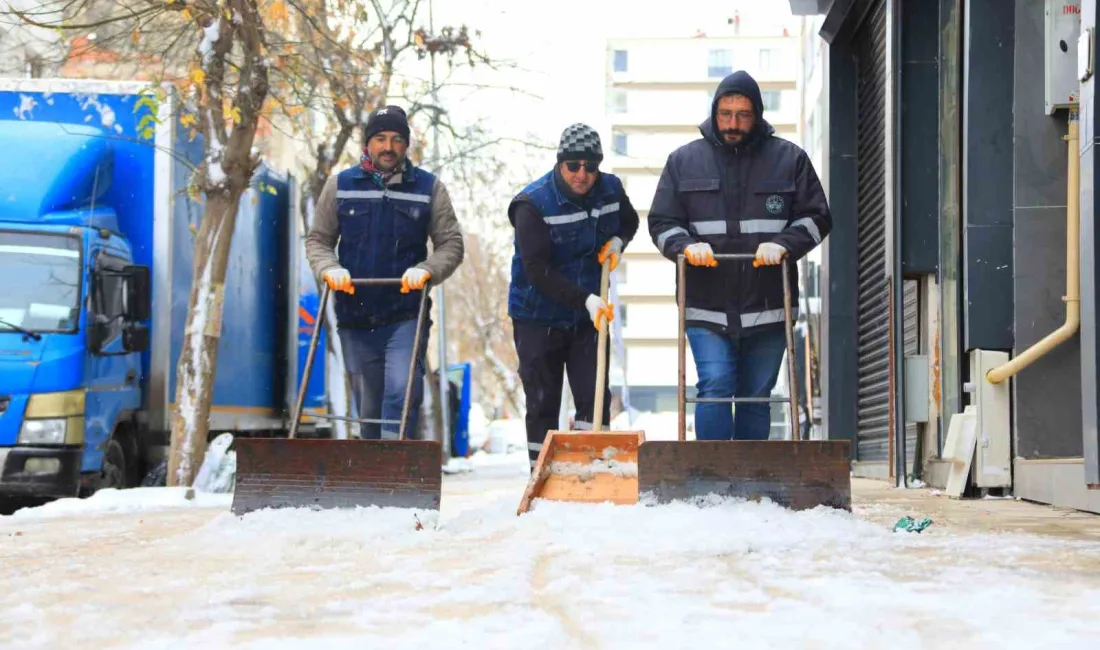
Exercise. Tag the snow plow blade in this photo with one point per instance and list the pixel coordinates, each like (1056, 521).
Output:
(795, 474)
(297, 473)
(322, 474)
(585, 467)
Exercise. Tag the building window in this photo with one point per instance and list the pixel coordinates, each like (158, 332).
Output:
(719, 63)
(619, 144)
(770, 99)
(767, 56)
(620, 61)
(622, 311)
(618, 101)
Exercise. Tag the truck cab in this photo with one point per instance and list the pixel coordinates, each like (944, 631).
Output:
(71, 309)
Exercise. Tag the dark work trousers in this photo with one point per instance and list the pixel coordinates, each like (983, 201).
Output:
(545, 354)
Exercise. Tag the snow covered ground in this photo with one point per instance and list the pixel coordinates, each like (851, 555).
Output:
(150, 569)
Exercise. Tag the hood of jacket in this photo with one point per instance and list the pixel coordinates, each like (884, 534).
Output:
(742, 83)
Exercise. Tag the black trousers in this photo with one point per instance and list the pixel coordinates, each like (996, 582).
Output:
(545, 355)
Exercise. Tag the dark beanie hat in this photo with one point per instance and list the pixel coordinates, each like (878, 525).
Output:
(580, 142)
(388, 118)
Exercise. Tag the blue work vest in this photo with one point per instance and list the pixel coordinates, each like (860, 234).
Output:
(577, 234)
(383, 232)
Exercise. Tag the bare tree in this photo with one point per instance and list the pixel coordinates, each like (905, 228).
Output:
(346, 59)
(480, 304)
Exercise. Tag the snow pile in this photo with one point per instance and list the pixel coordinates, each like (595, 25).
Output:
(586, 471)
(724, 573)
(219, 467)
(605, 464)
(455, 465)
(132, 500)
(505, 436)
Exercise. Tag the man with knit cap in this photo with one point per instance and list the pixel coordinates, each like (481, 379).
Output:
(737, 189)
(567, 223)
(374, 220)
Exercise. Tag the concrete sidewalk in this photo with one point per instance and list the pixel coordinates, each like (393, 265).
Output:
(880, 502)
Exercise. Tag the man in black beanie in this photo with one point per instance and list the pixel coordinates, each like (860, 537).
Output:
(382, 212)
(567, 223)
(737, 189)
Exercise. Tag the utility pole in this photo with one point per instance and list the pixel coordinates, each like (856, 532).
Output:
(444, 385)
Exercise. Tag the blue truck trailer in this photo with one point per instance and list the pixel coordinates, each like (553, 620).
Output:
(97, 233)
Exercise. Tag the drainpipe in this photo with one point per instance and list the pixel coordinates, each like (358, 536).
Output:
(1073, 270)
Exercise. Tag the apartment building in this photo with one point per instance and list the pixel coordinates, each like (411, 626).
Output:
(658, 91)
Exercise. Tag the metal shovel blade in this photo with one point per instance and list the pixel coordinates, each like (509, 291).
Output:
(795, 474)
(323, 474)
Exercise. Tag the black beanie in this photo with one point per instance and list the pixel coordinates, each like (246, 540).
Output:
(388, 118)
(580, 142)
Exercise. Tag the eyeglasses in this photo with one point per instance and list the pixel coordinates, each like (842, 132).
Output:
(740, 116)
(590, 166)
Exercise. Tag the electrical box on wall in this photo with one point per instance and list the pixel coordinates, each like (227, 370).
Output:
(1063, 29)
(993, 421)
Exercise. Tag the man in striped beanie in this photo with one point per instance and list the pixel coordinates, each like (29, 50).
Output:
(567, 223)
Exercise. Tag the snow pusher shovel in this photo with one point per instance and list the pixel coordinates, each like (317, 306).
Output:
(588, 466)
(797, 474)
(316, 473)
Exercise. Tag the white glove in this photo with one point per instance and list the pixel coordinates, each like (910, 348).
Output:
(414, 280)
(599, 310)
(614, 249)
(769, 254)
(338, 279)
(700, 254)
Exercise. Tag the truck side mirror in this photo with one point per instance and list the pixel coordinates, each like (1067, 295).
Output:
(135, 338)
(138, 300)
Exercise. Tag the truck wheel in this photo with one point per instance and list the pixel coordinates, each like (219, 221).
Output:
(114, 466)
(120, 462)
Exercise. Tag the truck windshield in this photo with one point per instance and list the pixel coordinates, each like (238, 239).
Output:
(39, 282)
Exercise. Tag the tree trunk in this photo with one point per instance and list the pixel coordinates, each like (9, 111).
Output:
(199, 355)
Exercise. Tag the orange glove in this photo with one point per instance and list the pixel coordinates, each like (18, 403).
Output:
(338, 280)
(599, 310)
(769, 254)
(414, 280)
(700, 254)
(613, 249)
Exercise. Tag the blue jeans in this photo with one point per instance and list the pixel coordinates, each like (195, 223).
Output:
(377, 362)
(728, 366)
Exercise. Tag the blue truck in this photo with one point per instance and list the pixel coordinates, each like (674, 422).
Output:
(97, 231)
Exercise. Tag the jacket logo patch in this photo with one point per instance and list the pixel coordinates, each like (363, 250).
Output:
(774, 204)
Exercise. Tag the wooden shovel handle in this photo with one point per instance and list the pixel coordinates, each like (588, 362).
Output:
(601, 352)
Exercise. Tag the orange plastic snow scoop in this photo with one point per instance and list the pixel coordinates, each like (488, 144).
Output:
(588, 466)
(302, 473)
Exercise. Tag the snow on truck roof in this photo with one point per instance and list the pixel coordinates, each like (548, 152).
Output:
(59, 167)
(79, 86)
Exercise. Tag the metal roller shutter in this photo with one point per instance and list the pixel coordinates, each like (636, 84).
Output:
(911, 312)
(873, 338)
